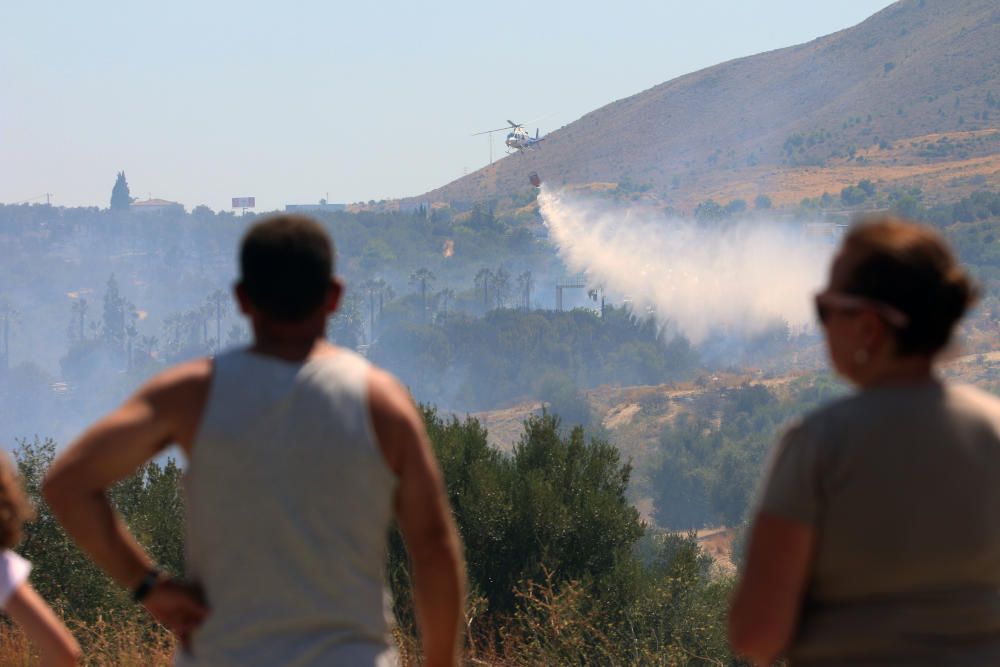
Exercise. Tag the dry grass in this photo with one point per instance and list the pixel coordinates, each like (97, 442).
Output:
(15, 650)
(105, 645)
(897, 166)
(553, 625)
(506, 425)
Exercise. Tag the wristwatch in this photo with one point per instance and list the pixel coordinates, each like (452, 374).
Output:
(146, 585)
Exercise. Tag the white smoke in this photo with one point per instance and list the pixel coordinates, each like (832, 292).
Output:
(729, 278)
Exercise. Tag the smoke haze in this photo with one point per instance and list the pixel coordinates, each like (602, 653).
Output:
(734, 278)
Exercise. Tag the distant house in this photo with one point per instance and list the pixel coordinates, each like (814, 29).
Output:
(323, 205)
(160, 206)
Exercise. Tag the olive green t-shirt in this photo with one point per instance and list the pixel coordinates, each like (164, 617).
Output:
(902, 486)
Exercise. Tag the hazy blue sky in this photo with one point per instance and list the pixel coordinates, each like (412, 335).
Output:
(202, 101)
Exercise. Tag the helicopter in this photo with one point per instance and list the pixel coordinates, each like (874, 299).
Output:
(518, 139)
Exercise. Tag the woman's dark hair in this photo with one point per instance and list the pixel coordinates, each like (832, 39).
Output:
(14, 506)
(286, 263)
(909, 267)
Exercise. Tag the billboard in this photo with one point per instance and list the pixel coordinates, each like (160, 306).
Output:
(244, 202)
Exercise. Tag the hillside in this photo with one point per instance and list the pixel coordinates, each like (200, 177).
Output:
(634, 418)
(911, 96)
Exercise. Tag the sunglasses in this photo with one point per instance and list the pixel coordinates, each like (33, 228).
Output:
(828, 302)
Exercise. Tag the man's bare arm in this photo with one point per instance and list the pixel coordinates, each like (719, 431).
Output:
(424, 518)
(165, 410)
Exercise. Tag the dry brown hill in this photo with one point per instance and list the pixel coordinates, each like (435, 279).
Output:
(911, 91)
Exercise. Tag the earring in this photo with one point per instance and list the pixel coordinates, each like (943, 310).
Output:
(861, 356)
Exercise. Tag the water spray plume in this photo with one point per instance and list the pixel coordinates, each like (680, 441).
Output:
(733, 278)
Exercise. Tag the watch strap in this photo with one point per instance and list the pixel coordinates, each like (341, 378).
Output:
(146, 585)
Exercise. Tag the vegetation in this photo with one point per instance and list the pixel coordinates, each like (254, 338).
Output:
(120, 195)
(150, 501)
(561, 569)
(474, 363)
(711, 456)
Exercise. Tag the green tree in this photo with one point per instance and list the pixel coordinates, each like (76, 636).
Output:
(735, 207)
(709, 210)
(116, 308)
(347, 326)
(853, 195)
(555, 505)
(120, 196)
(564, 398)
(150, 501)
(444, 299)
(680, 481)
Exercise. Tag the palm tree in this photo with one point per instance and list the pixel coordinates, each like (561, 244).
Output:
(204, 313)
(7, 313)
(445, 297)
(385, 294)
(80, 314)
(219, 301)
(483, 280)
(131, 333)
(370, 288)
(375, 289)
(172, 333)
(347, 325)
(524, 285)
(148, 345)
(501, 287)
(422, 277)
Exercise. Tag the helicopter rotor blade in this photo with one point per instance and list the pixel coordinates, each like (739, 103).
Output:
(499, 129)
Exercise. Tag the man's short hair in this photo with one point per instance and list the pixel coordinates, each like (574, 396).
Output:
(286, 263)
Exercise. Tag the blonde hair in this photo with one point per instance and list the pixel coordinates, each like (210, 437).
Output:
(14, 506)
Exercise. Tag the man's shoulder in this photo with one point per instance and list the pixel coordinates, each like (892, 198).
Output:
(388, 398)
(396, 422)
(192, 374)
(179, 395)
(181, 389)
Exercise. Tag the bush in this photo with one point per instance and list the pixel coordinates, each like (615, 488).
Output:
(852, 195)
(556, 502)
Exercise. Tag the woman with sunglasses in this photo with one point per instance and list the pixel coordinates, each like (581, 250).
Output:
(877, 532)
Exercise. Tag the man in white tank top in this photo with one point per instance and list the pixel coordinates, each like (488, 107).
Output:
(299, 456)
